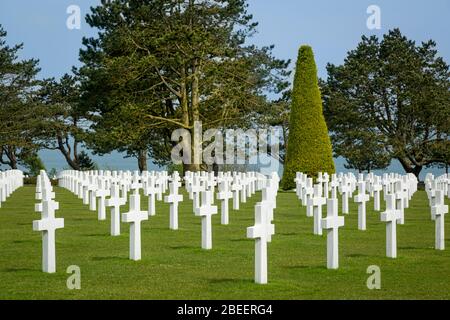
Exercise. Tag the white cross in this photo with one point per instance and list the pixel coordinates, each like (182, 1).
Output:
(316, 202)
(196, 189)
(135, 216)
(298, 184)
(173, 198)
(308, 192)
(391, 216)
(326, 181)
(159, 185)
(101, 193)
(236, 188)
(334, 186)
(85, 190)
(269, 194)
(400, 195)
(92, 188)
(47, 225)
(151, 190)
(361, 198)
(376, 188)
(261, 232)
(82, 182)
(210, 184)
(438, 211)
(244, 182)
(115, 202)
(332, 223)
(345, 191)
(224, 194)
(135, 184)
(205, 211)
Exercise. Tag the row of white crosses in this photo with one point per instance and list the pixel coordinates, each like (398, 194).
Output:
(98, 185)
(48, 223)
(398, 190)
(116, 186)
(437, 189)
(10, 181)
(314, 196)
(201, 188)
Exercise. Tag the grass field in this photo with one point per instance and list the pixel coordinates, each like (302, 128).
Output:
(174, 266)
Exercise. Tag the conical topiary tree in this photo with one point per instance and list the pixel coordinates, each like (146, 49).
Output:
(309, 146)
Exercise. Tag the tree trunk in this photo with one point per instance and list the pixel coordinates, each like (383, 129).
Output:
(215, 168)
(11, 155)
(73, 163)
(193, 167)
(142, 160)
(410, 168)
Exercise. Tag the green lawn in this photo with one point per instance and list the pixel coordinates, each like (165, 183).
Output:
(174, 266)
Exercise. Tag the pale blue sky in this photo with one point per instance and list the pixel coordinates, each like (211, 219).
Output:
(331, 27)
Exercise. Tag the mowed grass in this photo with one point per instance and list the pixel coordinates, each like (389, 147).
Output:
(174, 266)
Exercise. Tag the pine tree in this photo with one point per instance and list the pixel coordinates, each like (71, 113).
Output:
(309, 146)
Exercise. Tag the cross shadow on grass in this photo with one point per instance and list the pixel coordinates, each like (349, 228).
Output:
(183, 247)
(239, 240)
(22, 241)
(236, 281)
(110, 258)
(17, 270)
(96, 235)
(301, 267)
(356, 255)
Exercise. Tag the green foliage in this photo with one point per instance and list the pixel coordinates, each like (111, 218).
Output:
(19, 109)
(309, 147)
(33, 163)
(390, 99)
(85, 162)
(171, 168)
(161, 65)
(33, 180)
(66, 122)
(52, 173)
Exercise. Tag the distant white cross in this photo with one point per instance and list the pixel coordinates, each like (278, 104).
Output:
(361, 198)
(316, 202)
(236, 188)
(174, 198)
(135, 184)
(115, 202)
(151, 190)
(244, 182)
(101, 193)
(334, 186)
(345, 191)
(92, 188)
(308, 192)
(224, 195)
(376, 188)
(400, 195)
(438, 211)
(196, 189)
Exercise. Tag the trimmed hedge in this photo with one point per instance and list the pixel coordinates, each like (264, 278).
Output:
(309, 146)
(32, 181)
